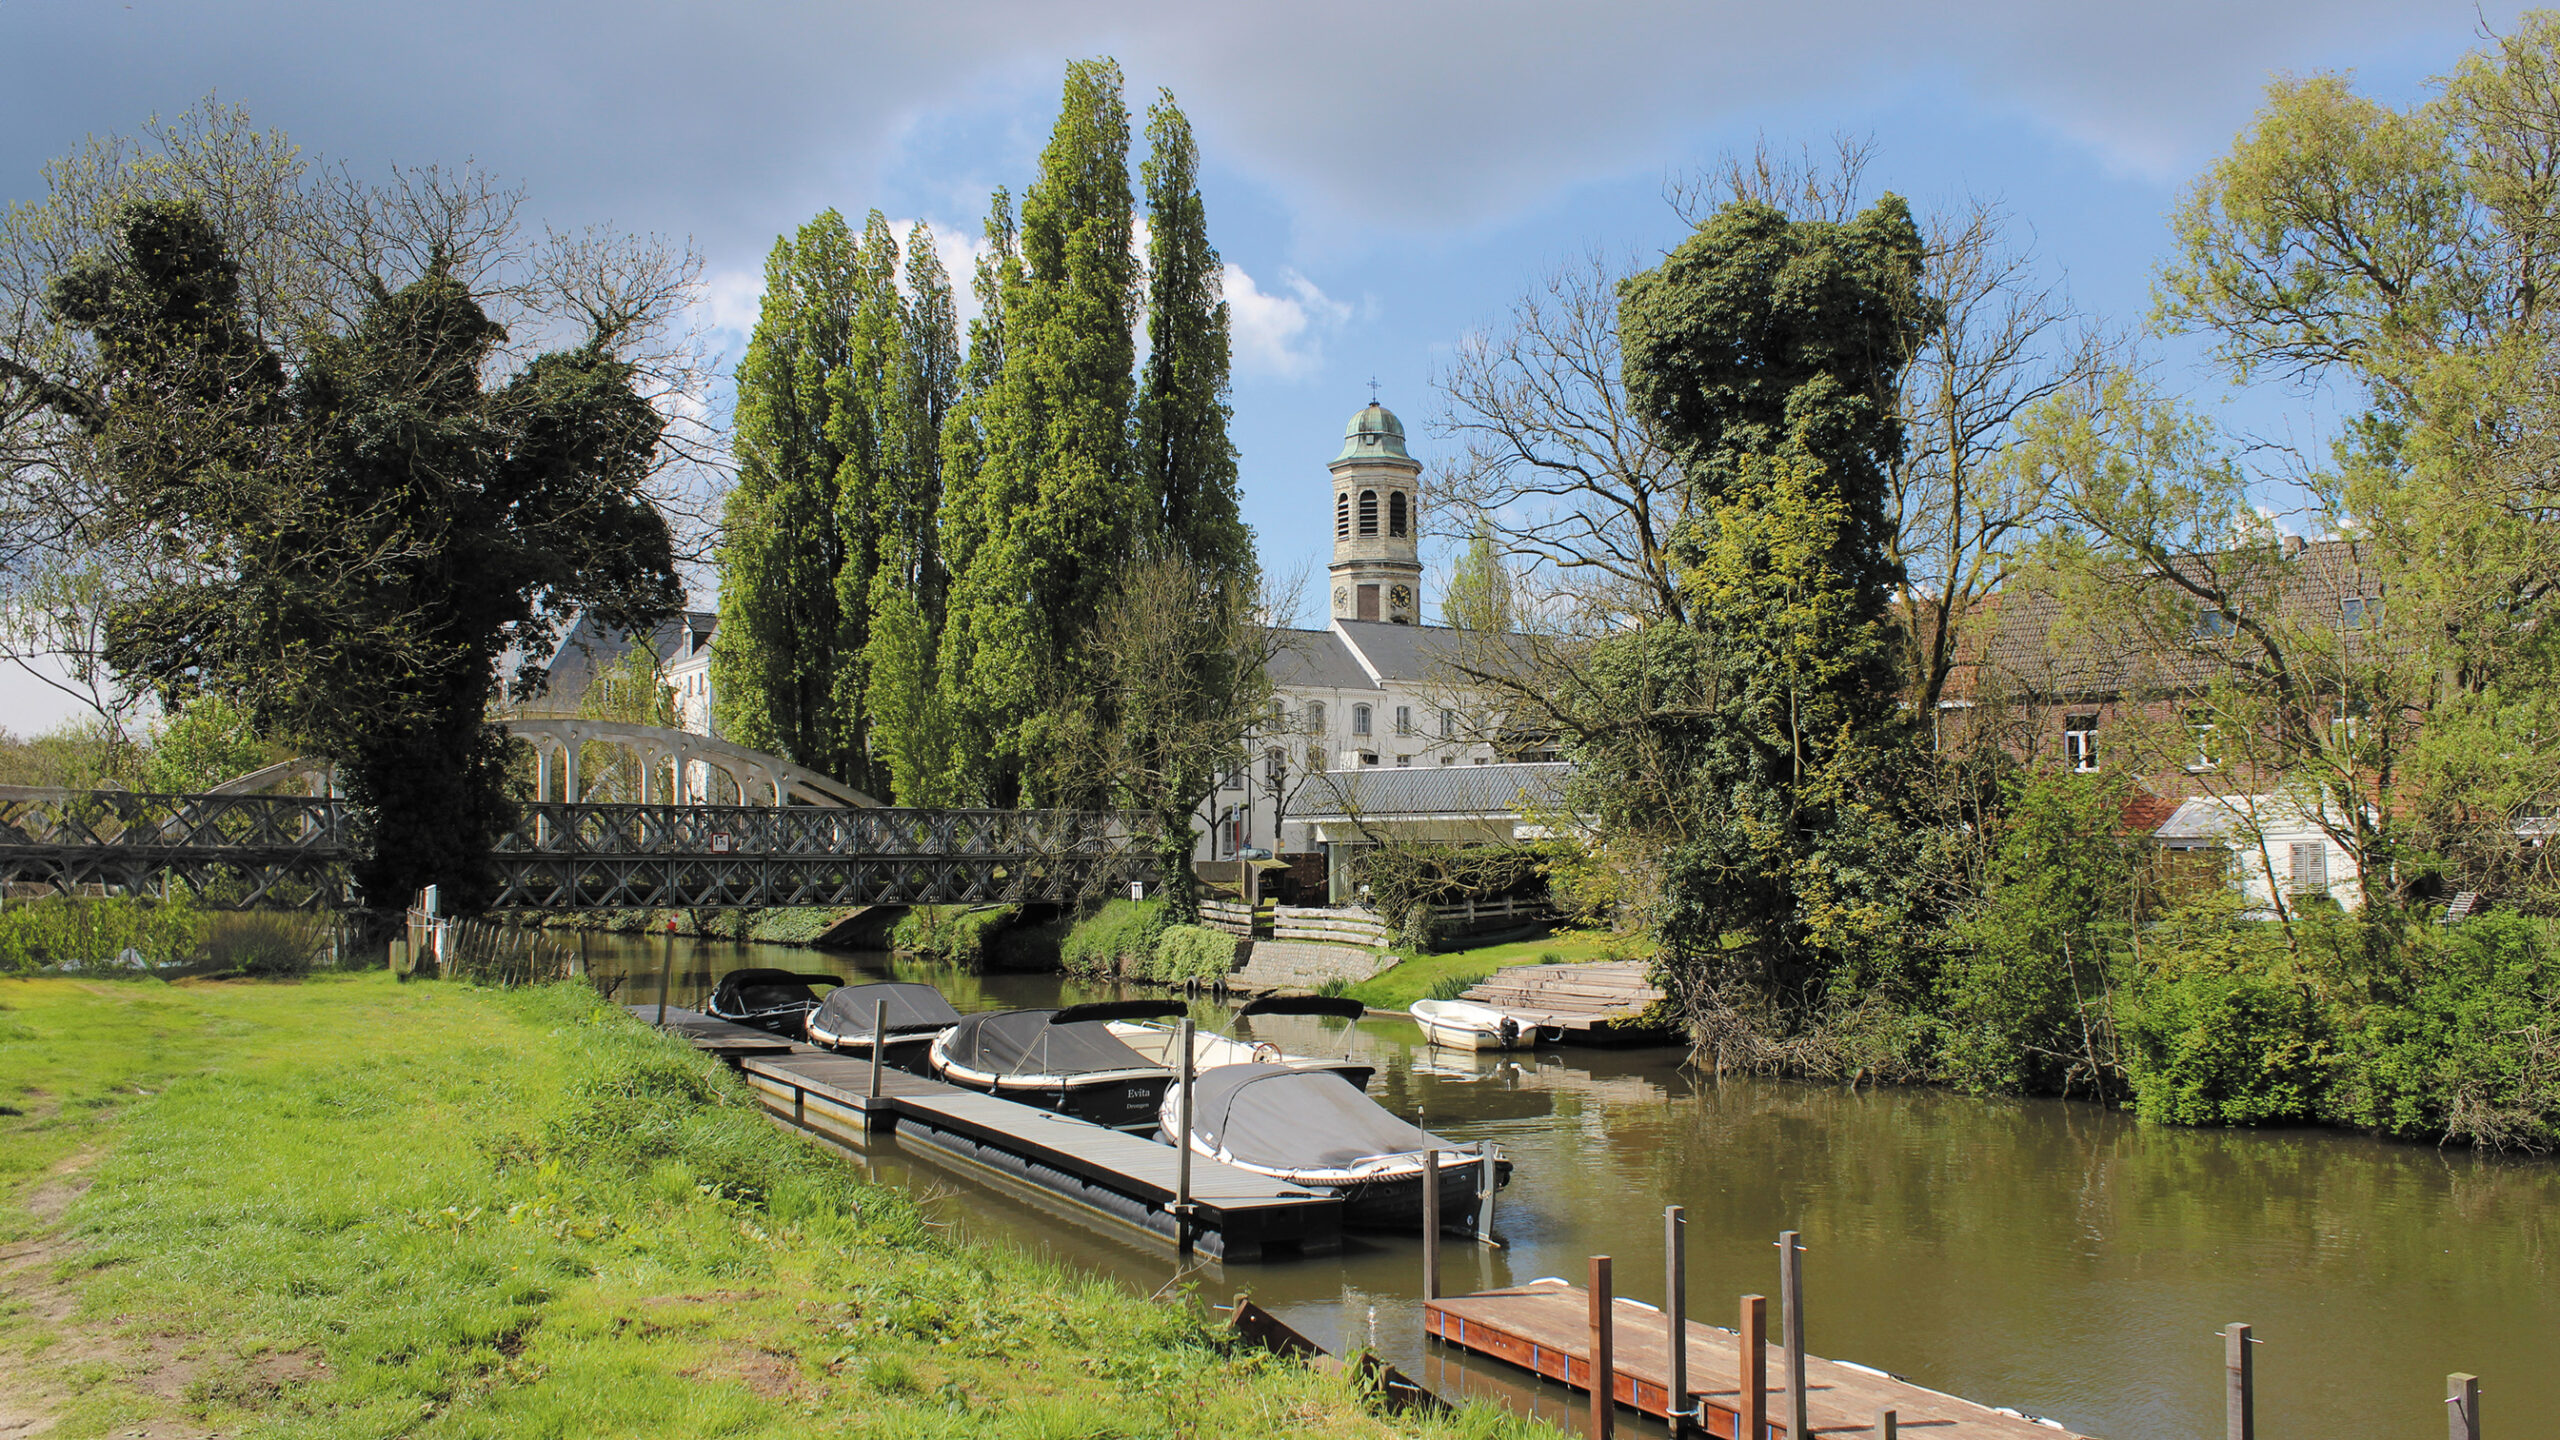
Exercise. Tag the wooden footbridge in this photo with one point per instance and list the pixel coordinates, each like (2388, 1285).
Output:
(245, 850)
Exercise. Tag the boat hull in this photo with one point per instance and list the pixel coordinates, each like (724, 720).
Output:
(911, 1053)
(791, 1022)
(1396, 1203)
(1121, 1102)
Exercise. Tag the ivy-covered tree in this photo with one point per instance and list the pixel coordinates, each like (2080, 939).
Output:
(1764, 354)
(357, 542)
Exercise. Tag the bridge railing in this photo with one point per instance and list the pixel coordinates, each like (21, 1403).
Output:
(594, 829)
(228, 849)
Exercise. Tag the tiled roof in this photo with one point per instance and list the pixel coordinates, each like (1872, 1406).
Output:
(1414, 653)
(1380, 793)
(1316, 660)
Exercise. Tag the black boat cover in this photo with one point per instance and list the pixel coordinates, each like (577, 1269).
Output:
(1340, 1006)
(1292, 1119)
(752, 992)
(847, 1012)
(1025, 1042)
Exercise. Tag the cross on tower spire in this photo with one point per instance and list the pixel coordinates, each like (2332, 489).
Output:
(1373, 389)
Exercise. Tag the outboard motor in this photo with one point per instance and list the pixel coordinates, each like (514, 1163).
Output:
(1510, 1032)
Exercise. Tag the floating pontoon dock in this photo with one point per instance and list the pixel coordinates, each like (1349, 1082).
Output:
(1235, 1214)
(1545, 1327)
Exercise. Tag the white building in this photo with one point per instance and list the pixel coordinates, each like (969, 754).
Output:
(2274, 846)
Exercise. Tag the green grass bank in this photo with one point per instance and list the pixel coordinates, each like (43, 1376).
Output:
(349, 1207)
(1400, 985)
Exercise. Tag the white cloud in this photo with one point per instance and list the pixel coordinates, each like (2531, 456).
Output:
(1283, 334)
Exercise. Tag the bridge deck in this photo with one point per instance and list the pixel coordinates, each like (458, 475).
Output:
(1236, 1214)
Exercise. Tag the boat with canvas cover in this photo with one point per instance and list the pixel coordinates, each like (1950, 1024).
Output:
(775, 1001)
(1066, 1061)
(1210, 1049)
(1466, 1025)
(917, 1014)
(1312, 1128)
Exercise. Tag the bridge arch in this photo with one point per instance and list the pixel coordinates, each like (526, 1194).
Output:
(675, 767)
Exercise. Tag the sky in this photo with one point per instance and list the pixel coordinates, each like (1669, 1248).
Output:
(1381, 179)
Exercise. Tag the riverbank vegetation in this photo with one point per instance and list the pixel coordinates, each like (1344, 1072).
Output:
(350, 1207)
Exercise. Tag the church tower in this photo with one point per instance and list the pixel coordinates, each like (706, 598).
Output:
(1377, 522)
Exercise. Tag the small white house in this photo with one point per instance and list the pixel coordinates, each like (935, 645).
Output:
(2276, 846)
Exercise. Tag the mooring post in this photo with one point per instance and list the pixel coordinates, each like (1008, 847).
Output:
(666, 968)
(1675, 1312)
(2239, 1385)
(2462, 1406)
(1888, 1425)
(1486, 1176)
(1791, 1299)
(1604, 1362)
(879, 1042)
(1182, 1137)
(1754, 1424)
(1431, 1223)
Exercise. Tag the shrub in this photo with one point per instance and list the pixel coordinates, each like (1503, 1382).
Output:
(1451, 987)
(1334, 989)
(952, 934)
(1120, 936)
(2221, 1030)
(263, 943)
(1421, 927)
(1192, 952)
(78, 932)
(2473, 1053)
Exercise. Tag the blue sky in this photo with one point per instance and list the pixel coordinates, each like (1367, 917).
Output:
(1383, 177)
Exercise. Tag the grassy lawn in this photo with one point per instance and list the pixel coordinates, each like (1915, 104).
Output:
(353, 1208)
(1399, 987)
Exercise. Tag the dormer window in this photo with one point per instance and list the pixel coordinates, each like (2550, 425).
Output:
(1368, 512)
(1395, 513)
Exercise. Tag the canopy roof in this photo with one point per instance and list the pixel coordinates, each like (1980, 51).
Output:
(1291, 1119)
(1025, 1042)
(911, 1008)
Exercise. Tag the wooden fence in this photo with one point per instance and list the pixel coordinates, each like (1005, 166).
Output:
(1357, 926)
(487, 952)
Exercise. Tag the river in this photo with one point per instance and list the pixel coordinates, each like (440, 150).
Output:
(2051, 1256)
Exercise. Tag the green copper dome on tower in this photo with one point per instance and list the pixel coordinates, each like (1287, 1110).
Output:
(1373, 434)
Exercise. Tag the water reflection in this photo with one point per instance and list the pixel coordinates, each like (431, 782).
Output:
(2049, 1256)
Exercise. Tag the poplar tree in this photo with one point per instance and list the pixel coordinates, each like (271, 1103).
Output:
(1189, 465)
(1480, 588)
(1055, 497)
(780, 616)
(909, 743)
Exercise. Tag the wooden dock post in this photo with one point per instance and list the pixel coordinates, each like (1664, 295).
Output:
(1431, 1223)
(1486, 1175)
(2462, 1406)
(1182, 1140)
(2239, 1385)
(1604, 1368)
(1675, 1312)
(666, 966)
(879, 1042)
(1888, 1425)
(1791, 1302)
(1754, 1421)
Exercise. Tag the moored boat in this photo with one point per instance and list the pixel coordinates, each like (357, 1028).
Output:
(777, 1001)
(1313, 1128)
(917, 1014)
(1210, 1049)
(1466, 1025)
(1066, 1061)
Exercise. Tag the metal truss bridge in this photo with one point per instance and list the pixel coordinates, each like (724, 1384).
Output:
(244, 850)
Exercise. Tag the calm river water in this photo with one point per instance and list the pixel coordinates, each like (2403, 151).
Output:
(2051, 1256)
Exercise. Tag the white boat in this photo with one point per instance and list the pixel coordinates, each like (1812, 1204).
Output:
(1209, 1049)
(1466, 1025)
(1312, 1128)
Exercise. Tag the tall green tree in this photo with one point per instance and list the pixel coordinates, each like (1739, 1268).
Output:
(370, 534)
(780, 615)
(1187, 462)
(1479, 595)
(1764, 353)
(1056, 496)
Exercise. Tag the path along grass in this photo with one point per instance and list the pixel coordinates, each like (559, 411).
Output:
(1401, 985)
(352, 1208)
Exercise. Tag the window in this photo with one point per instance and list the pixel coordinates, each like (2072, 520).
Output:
(1368, 757)
(1448, 759)
(1226, 831)
(2360, 612)
(1359, 719)
(1315, 759)
(1342, 516)
(1448, 724)
(1275, 767)
(1480, 760)
(1234, 778)
(2213, 624)
(1315, 717)
(2208, 749)
(1368, 512)
(1404, 762)
(1395, 513)
(2080, 742)
(2310, 868)
(1404, 719)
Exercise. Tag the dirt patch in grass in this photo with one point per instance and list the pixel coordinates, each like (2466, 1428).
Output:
(767, 1374)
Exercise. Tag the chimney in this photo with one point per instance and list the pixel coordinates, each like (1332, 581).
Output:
(2292, 547)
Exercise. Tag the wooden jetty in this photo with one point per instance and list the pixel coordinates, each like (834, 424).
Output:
(1598, 1003)
(1545, 1326)
(1232, 1213)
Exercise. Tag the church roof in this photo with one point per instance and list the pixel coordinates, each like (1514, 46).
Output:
(1316, 660)
(1433, 791)
(1373, 434)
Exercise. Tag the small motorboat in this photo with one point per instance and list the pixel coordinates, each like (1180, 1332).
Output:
(773, 1000)
(1066, 1061)
(917, 1014)
(1312, 1128)
(1210, 1049)
(1466, 1025)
